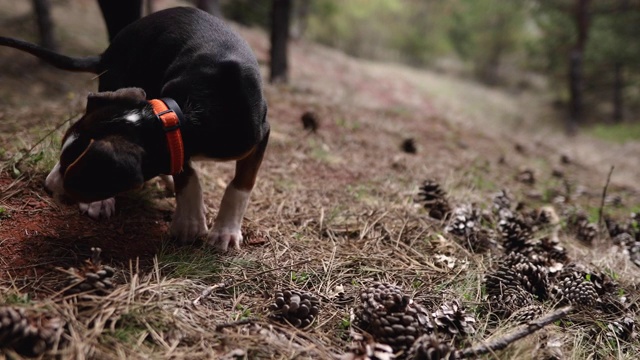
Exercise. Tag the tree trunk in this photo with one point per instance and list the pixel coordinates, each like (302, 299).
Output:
(618, 87)
(42, 9)
(301, 18)
(280, 17)
(581, 18)
(119, 13)
(210, 6)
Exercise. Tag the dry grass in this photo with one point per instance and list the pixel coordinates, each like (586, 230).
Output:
(332, 212)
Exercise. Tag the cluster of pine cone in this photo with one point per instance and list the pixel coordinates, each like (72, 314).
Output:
(535, 270)
(394, 319)
(32, 333)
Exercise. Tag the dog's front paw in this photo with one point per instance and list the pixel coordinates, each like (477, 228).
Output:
(222, 237)
(99, 209)
(187, 229)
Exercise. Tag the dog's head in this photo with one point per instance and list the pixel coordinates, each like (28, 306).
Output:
(100, 157)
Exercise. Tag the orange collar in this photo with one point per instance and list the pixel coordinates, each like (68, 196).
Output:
(170, 115)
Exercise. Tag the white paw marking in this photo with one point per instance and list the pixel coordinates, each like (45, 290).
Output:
(226, 229)
(99, 209)
(189, 221)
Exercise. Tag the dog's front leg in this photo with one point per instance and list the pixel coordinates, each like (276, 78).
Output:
(227, 227)
(188, 221)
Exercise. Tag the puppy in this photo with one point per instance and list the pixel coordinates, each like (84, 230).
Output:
(175, 86)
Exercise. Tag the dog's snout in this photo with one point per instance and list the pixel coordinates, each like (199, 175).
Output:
(53, 183)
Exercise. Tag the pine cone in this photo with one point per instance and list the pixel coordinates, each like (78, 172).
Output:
(623, 329)
(298, 308)
(623, 239)
(429, 347)
(364, 347)
(390, 316)
(92, 276)
(517, 271)
(478, 241)
(464, 220)
(502, 204)
(452, 320)
(548, 252)
(603, 283)
(310, 121)
(514, 284)
(409, 146)
(508, 301)
(615, 228)
(526, 176)
(584, 230)
(526, 314)
(434, 199)
(28, 334)
(574, 289)
(634, 253)
(516, 235)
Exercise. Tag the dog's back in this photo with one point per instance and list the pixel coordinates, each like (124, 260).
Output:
(193, 57)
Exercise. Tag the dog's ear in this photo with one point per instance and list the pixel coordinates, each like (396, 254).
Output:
(106, 168)
(105, 98)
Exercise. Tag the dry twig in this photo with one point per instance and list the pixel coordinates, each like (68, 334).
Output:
(518, 334)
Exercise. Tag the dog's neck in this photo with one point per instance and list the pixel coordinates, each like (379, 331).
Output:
(167, 134)
(171, 119)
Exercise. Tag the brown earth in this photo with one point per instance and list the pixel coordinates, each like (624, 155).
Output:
(365, 109)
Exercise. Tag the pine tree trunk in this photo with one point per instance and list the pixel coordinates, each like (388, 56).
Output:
(301, 17)
(618, 87)
(581, 18)
(210, 6)
(119, 13)
(42, 9)
(280, 17)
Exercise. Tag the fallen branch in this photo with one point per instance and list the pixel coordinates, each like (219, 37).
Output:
(525, 330)
(604, 195)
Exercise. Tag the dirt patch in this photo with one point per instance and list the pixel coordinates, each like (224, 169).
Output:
(39, 235)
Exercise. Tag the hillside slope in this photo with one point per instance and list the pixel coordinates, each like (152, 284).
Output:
(334, 212)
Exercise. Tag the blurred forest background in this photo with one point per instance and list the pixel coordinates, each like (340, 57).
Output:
(585, 52)
(582, 54)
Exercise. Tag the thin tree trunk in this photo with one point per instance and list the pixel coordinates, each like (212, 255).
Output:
(210, 6)
(42, 9)
(582, 22)
(301, 17)
(280, 18)
(618, 87)
(119, 13)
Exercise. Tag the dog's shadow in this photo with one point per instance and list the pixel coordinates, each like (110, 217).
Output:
(63, 238)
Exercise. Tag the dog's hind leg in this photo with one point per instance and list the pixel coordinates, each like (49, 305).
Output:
(227, 227)
(188, 221)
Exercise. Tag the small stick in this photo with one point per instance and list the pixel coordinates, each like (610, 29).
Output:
(604, 195)
(236, 323)
(525, 330)
(46, 136)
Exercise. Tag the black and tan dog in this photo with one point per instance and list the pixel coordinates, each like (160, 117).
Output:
(175, 86)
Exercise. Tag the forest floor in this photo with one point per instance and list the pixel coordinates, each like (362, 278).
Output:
(334, 211)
